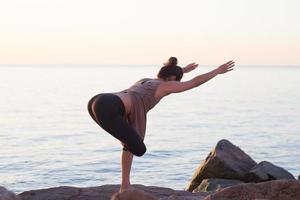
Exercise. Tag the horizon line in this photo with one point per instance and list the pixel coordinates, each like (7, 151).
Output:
(289, 65)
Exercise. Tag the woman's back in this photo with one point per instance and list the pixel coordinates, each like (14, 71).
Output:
(145, 89)
(141, 96)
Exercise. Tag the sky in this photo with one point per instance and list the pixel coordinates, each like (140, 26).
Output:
(249, 32)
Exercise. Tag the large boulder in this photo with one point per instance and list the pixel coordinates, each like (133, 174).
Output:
(266, 171)
(224, 161)
(273, 190)
(7, 195)
(213, 184)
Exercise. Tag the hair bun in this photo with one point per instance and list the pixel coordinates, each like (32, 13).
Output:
(172, 62)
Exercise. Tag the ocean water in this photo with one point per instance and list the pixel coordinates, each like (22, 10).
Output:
(48, 139)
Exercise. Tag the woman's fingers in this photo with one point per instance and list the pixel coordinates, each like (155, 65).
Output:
(191, 64)
(229, 66)
(229, 62)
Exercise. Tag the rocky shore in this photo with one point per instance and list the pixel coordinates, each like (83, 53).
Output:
(227, 173)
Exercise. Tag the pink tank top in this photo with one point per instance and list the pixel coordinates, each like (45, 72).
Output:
(142, 98)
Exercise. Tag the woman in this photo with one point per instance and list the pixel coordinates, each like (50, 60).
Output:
(123, 114)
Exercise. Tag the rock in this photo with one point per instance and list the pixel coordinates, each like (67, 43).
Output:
(105, 192)
(140, 195)
(299, 177)
(266, 171)
(132, 195)
(7, 195)
(213, 184)
(224, 161)
(173, 197)
(270, 190)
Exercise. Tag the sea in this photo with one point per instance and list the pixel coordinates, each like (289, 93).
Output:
(48, 139)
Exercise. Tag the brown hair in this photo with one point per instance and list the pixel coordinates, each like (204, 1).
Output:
(172, 62)
(170, 68)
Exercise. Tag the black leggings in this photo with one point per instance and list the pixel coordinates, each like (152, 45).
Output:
(108, 111)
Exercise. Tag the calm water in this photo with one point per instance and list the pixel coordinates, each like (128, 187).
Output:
(48, 139)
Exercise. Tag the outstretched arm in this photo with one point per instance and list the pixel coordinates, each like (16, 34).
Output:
(176, 86)
(189, 67)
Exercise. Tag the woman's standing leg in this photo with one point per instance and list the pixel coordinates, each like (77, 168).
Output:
(106, 112)
(126, 161)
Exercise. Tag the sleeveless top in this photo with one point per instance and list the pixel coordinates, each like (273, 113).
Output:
(142, 99)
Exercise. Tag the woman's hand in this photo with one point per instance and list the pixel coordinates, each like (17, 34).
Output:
(189, 67)
(225, 67)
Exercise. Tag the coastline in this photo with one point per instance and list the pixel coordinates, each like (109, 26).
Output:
(226, 173)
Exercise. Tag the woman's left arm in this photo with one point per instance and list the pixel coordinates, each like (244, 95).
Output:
(189, 67)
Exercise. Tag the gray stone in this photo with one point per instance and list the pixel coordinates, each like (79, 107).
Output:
(225, 161)
(7, 195)
(270, 190)
(213, 184)
(266, 171)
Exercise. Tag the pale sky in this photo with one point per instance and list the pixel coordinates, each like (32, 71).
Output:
(148, 32)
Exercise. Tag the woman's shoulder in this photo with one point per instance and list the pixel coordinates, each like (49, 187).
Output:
(143, 80)
(149, 80)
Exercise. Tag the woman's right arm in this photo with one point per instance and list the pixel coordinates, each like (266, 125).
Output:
(169, 87)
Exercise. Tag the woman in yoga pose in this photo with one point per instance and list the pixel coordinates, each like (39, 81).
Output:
(123, 114)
